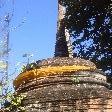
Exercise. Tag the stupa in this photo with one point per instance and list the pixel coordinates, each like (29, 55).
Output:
(64, 83)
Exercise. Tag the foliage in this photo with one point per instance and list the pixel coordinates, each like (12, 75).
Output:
(12, 102)
(9, 101)
(89, 23)
(16, 103)
(29, 67)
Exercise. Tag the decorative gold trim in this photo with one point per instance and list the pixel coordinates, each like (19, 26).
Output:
(43, 72)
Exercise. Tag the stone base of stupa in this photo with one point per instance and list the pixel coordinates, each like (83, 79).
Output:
(64, 85)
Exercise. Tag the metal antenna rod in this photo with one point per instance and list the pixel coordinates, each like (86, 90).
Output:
(4, 48)
(63, 47)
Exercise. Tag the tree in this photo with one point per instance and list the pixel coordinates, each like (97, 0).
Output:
(89, 23)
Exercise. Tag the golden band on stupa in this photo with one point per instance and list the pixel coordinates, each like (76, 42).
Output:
(54, 66)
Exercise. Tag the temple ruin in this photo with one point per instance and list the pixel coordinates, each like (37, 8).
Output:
(64, 83)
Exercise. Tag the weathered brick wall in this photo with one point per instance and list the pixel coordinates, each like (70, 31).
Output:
(67, 99)
(61, 93)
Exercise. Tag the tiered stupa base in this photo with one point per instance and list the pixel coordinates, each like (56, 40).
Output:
(64, 85)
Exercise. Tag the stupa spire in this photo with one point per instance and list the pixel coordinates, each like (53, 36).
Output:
(63, 47)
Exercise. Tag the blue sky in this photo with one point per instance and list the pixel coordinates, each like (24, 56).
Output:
(37, 34)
